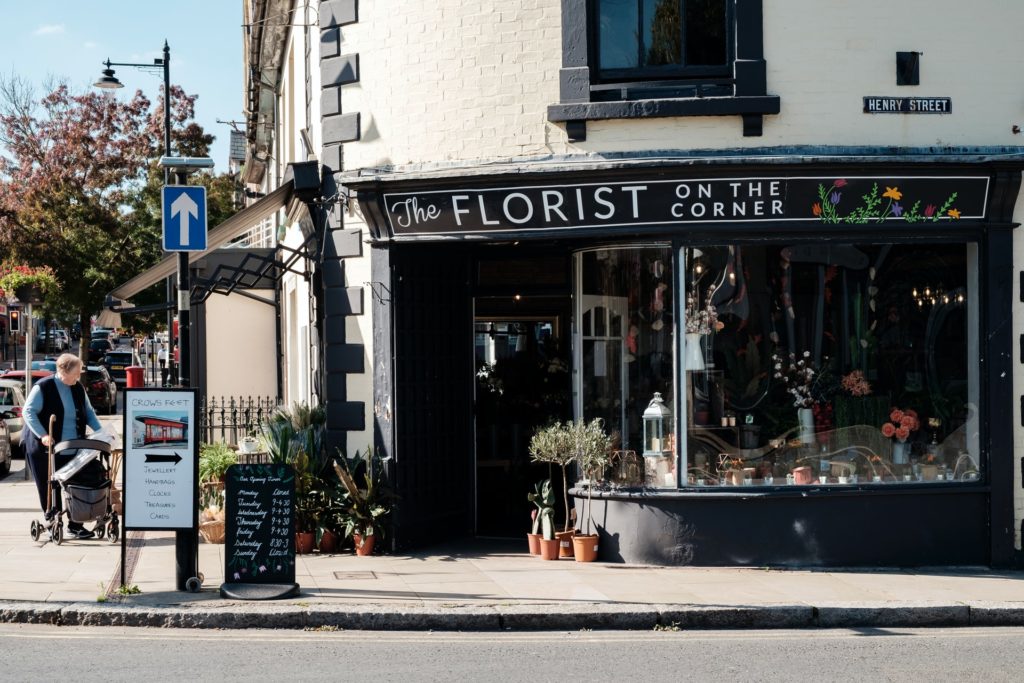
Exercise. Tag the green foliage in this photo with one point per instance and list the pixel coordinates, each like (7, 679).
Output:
(370, 500)
(214, 461)
(544, 516)
(553, 445)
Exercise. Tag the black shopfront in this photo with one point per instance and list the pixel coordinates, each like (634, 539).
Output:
(828, 342)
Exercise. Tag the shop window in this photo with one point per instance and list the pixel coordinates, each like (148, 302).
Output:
(677, 57)
(838, 365)
(624, 356)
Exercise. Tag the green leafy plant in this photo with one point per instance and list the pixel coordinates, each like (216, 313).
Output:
(544, 516)
(14, 277)
(553, 445)
(214, 461)
(370, 501)
(128, 590)
(591, 448)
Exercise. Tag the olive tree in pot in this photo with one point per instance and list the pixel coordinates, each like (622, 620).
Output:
(553, 445)
(591, 448)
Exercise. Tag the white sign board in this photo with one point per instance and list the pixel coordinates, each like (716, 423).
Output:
(161, 461)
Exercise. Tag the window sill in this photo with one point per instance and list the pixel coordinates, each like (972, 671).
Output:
(575, 114)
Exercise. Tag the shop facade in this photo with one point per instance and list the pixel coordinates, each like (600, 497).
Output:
(822, 342)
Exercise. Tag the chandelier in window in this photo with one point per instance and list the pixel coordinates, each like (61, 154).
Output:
(934, 296)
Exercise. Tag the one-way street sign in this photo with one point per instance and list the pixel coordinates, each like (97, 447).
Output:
(184, 217)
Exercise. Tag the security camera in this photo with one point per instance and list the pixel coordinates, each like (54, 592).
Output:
(186, 163)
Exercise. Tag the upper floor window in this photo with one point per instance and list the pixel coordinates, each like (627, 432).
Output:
(677, 57)
(658, 39)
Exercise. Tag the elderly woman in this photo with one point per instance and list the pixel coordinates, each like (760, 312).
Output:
(64, 397)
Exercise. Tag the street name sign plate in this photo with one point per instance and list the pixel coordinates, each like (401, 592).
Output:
(161, 463)
(184, 217)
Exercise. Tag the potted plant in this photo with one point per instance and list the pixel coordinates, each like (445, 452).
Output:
(307, 504)
(591, 448)
(553, 445)
(29, 285)
(368, 507)
(543, 517)
(214, 461)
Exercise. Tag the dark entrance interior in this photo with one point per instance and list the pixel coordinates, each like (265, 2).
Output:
(521, 336)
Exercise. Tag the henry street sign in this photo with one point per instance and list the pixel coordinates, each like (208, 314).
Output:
(184, 217)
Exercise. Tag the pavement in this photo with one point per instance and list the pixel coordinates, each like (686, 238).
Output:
(473, 585)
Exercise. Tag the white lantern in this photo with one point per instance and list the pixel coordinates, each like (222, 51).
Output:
(657, 426)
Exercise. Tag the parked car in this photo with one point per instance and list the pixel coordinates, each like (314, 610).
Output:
(12, 402)
(20, 375)
(100, 388)
(119, 359)
(5, 447)
(48, 364)
(98, 348)
(63, 340)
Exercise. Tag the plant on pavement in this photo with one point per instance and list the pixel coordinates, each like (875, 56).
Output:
(370, 502)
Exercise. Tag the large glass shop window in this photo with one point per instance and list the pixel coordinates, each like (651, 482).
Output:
(625, 327)
(830, 365)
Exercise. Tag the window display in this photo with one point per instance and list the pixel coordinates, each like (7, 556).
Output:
(624, 329)
(830, 364)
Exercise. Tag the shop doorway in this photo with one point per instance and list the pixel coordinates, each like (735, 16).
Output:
(521, 347)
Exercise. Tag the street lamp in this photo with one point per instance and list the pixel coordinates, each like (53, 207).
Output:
(108, 81)
(185, 542)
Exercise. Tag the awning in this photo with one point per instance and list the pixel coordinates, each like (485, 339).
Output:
(215, 238)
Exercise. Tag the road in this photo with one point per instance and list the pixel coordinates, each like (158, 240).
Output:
(109, 654)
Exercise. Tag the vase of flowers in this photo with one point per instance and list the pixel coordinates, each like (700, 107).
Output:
(27, 284)
(797, 375)
(901, 424)
(700, 321)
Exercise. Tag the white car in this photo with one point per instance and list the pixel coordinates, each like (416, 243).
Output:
(62, 341)
(12, 400)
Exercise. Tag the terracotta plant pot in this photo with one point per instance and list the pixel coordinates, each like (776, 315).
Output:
(534, 541)
(328, 543)
(363, 547)
(585, 546)
(802, 475)
(304, 542)
(565, 543)
(549, 548)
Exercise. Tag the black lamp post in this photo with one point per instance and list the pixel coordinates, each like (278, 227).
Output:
(185, 542)
(108, 81)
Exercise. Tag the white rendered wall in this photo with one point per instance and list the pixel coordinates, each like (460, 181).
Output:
(241, 347)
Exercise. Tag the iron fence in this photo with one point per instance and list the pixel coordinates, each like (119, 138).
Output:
(227, 419)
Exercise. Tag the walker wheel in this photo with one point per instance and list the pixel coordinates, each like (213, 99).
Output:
(202, 577)
(99, 530)
(113, 531)
(58, 533)
(194, 584)
(35, 530)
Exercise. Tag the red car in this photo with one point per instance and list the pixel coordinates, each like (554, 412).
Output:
(20, 374)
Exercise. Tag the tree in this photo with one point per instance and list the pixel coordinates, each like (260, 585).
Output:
(77, 184)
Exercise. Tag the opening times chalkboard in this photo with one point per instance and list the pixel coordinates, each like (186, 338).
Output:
(259, 543)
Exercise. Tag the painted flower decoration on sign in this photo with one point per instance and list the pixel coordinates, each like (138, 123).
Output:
(877, 206)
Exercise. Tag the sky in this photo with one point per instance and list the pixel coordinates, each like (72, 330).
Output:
(70, 39)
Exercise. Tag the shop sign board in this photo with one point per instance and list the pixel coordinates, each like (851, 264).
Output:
(161, 463)
(657, 201)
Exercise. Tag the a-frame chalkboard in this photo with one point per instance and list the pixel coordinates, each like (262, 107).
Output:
(259, 543)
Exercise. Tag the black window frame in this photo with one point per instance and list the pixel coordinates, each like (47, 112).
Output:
(584, 96)
(684, 73)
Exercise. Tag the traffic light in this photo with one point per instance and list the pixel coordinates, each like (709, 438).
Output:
(15, 321)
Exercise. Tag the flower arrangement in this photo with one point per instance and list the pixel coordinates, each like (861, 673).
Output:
(701, 320)
(797, 374)
(855, 384)
(13, 278)
(901, 424)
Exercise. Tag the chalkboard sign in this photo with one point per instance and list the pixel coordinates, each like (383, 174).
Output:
(259, 543)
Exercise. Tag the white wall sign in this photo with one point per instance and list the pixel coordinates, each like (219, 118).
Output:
(161, 460)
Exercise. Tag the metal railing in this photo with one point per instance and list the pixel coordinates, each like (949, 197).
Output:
(227, 419)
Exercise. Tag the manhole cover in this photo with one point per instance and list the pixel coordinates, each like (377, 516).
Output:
(352, 576)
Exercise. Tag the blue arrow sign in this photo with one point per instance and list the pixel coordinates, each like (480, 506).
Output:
(184, 217)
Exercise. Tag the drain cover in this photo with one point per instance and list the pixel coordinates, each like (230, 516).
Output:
(353, 576)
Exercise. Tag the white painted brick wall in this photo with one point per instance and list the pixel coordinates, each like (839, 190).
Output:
(470, 81)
